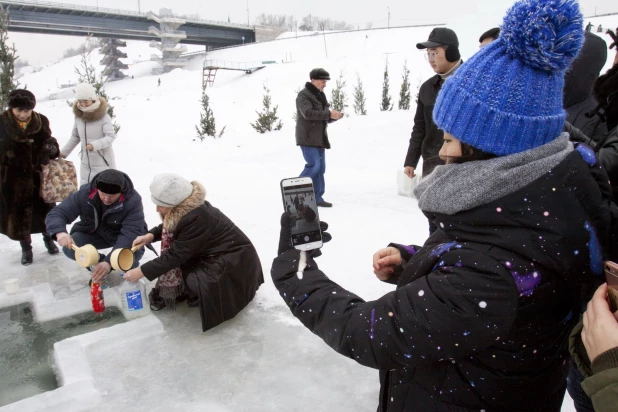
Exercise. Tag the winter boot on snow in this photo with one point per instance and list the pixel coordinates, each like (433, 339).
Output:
(26, 252)
(49, 244)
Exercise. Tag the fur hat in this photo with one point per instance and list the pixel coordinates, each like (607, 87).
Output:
(85, 91)
(319, 74)
(508, 97)
(22, 99)
(111, 182)
(169, 190)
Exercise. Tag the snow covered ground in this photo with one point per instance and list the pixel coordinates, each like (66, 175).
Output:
(263, 359)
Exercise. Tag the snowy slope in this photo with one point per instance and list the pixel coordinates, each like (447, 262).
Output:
(263, 359)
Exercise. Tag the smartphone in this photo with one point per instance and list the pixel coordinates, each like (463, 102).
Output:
(299, 200)
(611, 276)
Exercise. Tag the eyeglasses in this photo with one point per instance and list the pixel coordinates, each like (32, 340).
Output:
(431, 56)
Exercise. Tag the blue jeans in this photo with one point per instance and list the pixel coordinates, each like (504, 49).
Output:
(581, 401)
(81, 239)
(315, 169)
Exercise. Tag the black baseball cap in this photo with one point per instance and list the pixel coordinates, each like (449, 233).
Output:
(440, 36)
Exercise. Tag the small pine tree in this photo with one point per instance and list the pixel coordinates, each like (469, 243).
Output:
(404, 93)
(8, 55)
(87, 74)
(267, 118)
(359, 98)
(386, 97)
(338, 96)
(207, 125)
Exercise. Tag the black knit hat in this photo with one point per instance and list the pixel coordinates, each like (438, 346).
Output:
(493, 33)
(22, 99)
(319, 74)
(111, 182)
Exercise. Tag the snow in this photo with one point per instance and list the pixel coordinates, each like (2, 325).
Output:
(264, 358)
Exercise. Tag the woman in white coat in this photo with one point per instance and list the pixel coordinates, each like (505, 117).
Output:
(94, 129)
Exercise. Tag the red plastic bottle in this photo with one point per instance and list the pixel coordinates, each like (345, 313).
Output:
(96, 295)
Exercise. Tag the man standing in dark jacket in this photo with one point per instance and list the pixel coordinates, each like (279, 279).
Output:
(578, 83)
(444, 58)
(111, 215)
(312, 118)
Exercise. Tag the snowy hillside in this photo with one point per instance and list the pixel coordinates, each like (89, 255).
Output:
(265, 354)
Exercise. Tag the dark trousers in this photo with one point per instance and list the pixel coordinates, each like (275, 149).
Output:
(582, 402)
(315, 157)
(82, 239)
(27, 244)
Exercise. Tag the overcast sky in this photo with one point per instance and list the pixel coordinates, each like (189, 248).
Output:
(39, 49)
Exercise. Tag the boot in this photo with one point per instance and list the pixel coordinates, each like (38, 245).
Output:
(26, 257)
(26, 252)
(49, 244)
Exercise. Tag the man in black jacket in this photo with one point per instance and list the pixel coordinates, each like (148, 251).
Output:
(444, 58)
(312, 118)
(578, 82)
(111, 215)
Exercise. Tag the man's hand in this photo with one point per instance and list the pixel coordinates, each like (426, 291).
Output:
(600, 332)
(64, 239)
(409, 171)
(100, 271)
(335, 115)
(89, 147)
(133, 275)
(143, 240)
(384, 262)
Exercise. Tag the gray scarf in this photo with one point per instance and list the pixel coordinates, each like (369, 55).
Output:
(451, 188)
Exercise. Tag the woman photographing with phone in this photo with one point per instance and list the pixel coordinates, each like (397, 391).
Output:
(483, 310)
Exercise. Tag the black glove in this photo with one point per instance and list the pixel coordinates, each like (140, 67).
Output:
(285, 236)
(48, 151)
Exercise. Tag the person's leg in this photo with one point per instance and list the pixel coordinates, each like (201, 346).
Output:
(26, 251)
(312, 166)
(321, 184)
(582, 402)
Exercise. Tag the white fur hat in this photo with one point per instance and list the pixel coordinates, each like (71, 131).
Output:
(84, 91)
(169, 190)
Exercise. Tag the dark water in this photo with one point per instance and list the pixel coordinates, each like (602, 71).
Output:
(26, 348)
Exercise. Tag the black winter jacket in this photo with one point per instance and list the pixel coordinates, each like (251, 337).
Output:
(482, 312)
(118, 226)
(312, 117)
(426, 139)
(208, 245)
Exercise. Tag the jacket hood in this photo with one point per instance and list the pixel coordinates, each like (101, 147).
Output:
(580, 78)
(91, 116)
(195, 200)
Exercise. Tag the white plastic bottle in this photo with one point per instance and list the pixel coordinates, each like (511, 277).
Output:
(133, 299)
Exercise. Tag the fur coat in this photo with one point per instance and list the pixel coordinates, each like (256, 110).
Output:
(22, 211)
(210, 247)
(95, 128)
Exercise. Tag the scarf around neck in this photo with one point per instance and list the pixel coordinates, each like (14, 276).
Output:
(94, 106)
(452, 188)
(170, 284)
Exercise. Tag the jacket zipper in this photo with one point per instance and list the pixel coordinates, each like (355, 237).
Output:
(386, 399)
(96, 215)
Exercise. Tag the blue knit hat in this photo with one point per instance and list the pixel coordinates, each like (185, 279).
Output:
(508, 97)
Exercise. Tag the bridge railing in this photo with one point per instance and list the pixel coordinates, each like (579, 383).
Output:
(224, 64)
(67, 6)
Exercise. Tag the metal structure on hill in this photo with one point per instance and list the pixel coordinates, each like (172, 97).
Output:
(212, 66)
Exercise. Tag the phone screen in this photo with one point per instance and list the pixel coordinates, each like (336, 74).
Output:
(299, 201)
(611, 276)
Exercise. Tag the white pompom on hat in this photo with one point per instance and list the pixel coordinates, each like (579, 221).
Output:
(85, 91)
(169, 190)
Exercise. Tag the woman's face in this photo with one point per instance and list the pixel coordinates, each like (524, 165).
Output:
(22, 114)
(450, 148)
(163, 210)
(85, 103)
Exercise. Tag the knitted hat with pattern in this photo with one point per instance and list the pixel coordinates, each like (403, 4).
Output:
(508, 97)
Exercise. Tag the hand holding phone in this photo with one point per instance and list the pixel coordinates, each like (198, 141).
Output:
(300, 205)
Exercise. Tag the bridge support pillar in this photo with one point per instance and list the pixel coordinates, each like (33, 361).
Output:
(170, 36)
(111, 54)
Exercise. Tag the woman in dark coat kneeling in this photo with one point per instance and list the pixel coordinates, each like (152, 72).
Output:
(202, 251)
